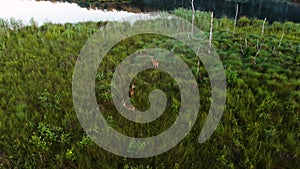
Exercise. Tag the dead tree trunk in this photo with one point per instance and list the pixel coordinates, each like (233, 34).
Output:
(193, 15)
(235, 19)
(211, 33)
(263, 27)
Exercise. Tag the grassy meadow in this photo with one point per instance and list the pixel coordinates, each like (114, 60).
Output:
(259, 129)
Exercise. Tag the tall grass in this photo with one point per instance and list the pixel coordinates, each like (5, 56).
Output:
(259, 128)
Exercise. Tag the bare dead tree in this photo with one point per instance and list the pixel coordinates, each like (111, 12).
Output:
(211, 33)
(281, 39)
(193, 15)
(235, 19)
(263, 27)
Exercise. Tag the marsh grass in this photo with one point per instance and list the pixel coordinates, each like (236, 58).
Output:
(259, 127)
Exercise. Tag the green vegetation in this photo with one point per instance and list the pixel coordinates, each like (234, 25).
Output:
(259, 128)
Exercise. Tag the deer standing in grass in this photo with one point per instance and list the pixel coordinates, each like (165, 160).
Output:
(154, 62)
(128, 107)
(131, 90)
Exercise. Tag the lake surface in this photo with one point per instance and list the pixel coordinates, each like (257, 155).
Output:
(46, 11)
(273, 10)
(63, 12)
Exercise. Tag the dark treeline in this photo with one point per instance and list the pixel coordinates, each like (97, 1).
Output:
(272, 10)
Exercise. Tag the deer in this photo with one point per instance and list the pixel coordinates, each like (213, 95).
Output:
(128, 107)
(131, 90)
(154, 62)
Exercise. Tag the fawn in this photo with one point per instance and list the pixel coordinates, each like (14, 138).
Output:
(130, 108)
(131, 90)
(154, 62)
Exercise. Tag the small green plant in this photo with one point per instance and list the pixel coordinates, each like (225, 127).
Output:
(231, 77)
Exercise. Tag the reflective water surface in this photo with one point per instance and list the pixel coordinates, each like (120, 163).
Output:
(59, 12)
(63, 12)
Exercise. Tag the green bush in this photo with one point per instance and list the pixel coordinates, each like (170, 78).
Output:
(243, 22)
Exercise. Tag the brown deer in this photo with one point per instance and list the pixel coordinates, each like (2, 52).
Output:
(128, 107)
(131, 90)
(154, 62)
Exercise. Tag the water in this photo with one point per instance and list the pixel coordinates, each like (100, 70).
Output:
(273, 10)
(45, 11)
(59, 12)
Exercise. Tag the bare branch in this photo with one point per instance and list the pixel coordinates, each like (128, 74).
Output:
(211, 32)
(263, 27)
(235, 19)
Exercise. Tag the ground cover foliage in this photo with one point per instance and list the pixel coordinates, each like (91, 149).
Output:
(259, 127)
